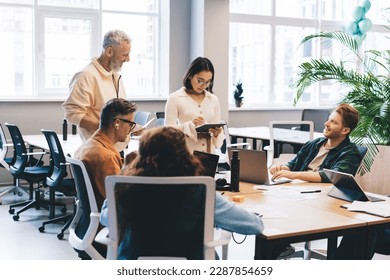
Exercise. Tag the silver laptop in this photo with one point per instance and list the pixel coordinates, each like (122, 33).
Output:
(345, 187)
(253, 167)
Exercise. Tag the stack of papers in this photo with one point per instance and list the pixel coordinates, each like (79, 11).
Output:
(381, 208)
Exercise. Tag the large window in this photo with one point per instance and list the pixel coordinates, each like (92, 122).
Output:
(44, 42)
(265, 48)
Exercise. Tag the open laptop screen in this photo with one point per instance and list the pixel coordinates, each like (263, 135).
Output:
(209, 162)
(345, 187)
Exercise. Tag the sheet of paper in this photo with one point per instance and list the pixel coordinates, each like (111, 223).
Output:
(266, 212)
(290, 192)
(380, 208)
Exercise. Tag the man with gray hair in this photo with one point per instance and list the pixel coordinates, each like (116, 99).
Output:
(97, 83)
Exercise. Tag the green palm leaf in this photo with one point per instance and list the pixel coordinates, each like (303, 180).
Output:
(366, 90)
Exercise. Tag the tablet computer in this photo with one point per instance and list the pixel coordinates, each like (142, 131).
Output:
(207, 126)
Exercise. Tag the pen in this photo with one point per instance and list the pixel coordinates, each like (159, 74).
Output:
(315, 191)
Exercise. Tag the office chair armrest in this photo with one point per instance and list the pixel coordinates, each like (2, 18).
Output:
(35, 153)
(103, 238)
(267, 148)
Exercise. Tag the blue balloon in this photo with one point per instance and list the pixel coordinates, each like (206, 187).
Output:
(351, 27)
(364, 25)
(358, 13)
(358, 39)
(366, 4)
(363, 36)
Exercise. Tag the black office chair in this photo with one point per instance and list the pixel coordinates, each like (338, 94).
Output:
(57, 182)
(160, 118)
(21, 170)
(160, 115)
(317, 116)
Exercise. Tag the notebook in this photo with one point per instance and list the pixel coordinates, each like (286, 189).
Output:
(253, 167)
(209, 162)
(345, 187)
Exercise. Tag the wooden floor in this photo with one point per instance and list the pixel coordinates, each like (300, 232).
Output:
(21, 240)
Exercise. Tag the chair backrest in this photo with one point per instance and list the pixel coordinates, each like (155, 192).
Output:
(160, 118)
(3, 148)
(84, 189)
(317, 116)
(141, 117)
(168, 216)
(362, 150)
(20, 160)
(271, 148)
(85, 224)
(160, 115)
(160, 122)
(57, 159)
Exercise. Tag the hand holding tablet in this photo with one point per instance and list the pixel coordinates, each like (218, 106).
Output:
(207, 126)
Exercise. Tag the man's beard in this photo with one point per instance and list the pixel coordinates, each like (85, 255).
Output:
(116, 67)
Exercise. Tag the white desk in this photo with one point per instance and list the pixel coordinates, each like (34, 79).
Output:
(287, 136)
(70, 145)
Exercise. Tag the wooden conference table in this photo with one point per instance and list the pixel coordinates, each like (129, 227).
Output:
(291, 217)
(282, 135)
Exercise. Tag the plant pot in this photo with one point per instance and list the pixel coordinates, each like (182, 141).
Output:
(238, 103)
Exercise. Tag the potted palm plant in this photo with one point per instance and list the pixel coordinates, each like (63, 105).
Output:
(238, 94)
(366, 90)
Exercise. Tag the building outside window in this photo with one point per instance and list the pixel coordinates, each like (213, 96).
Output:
(46, 41)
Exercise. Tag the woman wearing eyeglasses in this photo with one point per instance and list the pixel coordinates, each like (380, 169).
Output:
(195, 104)
(98, 153)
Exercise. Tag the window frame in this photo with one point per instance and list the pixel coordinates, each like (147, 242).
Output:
(40, 92)
(273, 22)
(41, 13)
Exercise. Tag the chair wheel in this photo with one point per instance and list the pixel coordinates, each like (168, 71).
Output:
(16, 218)
(60, 236)
(41, 229)
(11, 211)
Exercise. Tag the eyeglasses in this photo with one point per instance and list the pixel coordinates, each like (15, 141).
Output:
(202, 83)
(131, 123)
